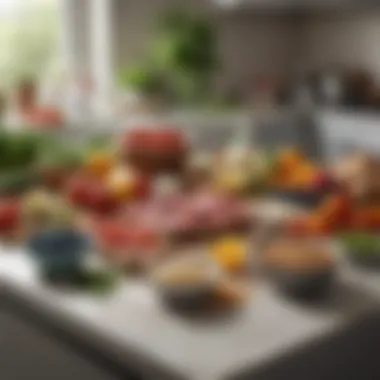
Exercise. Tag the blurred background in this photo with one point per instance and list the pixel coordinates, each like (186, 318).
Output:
(298, 74)
(81, 61)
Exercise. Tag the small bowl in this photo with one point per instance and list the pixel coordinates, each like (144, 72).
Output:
(187, 294)
(60, 253)
(303, 198)
(302, 268)
(367, 260)
(366, 253)
(304, 285)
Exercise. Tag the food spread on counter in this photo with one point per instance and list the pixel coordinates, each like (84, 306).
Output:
(145, 197)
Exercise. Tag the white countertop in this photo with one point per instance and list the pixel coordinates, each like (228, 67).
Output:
(132, 317)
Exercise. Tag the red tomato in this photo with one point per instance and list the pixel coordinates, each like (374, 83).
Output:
(77, 190)
(9, 214)
(88, 192)
(100, 200)
(157, 140)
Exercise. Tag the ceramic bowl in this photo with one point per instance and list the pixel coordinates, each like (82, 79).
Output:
(304, 285)
(181, 293)
(367, 260)
(303, 198)
(364, 252)
(60, 253)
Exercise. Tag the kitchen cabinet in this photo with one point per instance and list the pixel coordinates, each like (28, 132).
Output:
(344, 130)
(348, 355)
(295, 5)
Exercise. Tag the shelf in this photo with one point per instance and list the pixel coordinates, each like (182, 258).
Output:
(295, 5)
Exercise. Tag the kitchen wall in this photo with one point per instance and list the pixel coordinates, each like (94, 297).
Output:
(342, 38)
(248, 43)
(255, 41)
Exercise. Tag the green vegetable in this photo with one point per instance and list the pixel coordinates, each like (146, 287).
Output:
(361, 243)
(18, 149)
(59, 156)
(97, 143)
(16, 181)
(185, 44)
(99, 282)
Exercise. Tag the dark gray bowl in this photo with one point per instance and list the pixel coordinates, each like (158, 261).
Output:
(188, 296)
(191, 299)
(302, 198)
(310, 285)
(367, 260)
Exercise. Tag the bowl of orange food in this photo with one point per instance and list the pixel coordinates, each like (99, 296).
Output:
(301, 268)
(186, 282)
(295, 179)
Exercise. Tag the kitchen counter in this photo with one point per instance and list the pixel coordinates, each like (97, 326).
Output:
(344, 129)
(134, 331)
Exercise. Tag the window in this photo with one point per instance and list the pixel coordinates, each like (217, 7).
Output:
(28, 39)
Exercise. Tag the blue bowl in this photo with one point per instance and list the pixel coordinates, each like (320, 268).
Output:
(60, 253)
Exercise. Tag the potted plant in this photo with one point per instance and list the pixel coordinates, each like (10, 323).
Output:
(145, 85)
(186, 52)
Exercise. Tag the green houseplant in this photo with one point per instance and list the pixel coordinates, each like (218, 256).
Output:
(180, 63)
(141, 79)
(185, 50)
(145, 83)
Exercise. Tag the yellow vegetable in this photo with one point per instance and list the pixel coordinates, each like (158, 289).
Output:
(230, 253)
(120, 184)
(99, 163)
(290, 157)
(236, 181)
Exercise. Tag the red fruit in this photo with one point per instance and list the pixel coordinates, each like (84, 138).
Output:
(100, 200)
(322, 181)
(77, 190)
(336, 209)
(87, 192)
(9, 215)
(158, 140)
(142, 187)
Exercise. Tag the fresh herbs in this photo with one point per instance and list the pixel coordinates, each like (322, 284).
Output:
(18, 150)
(361, 243)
